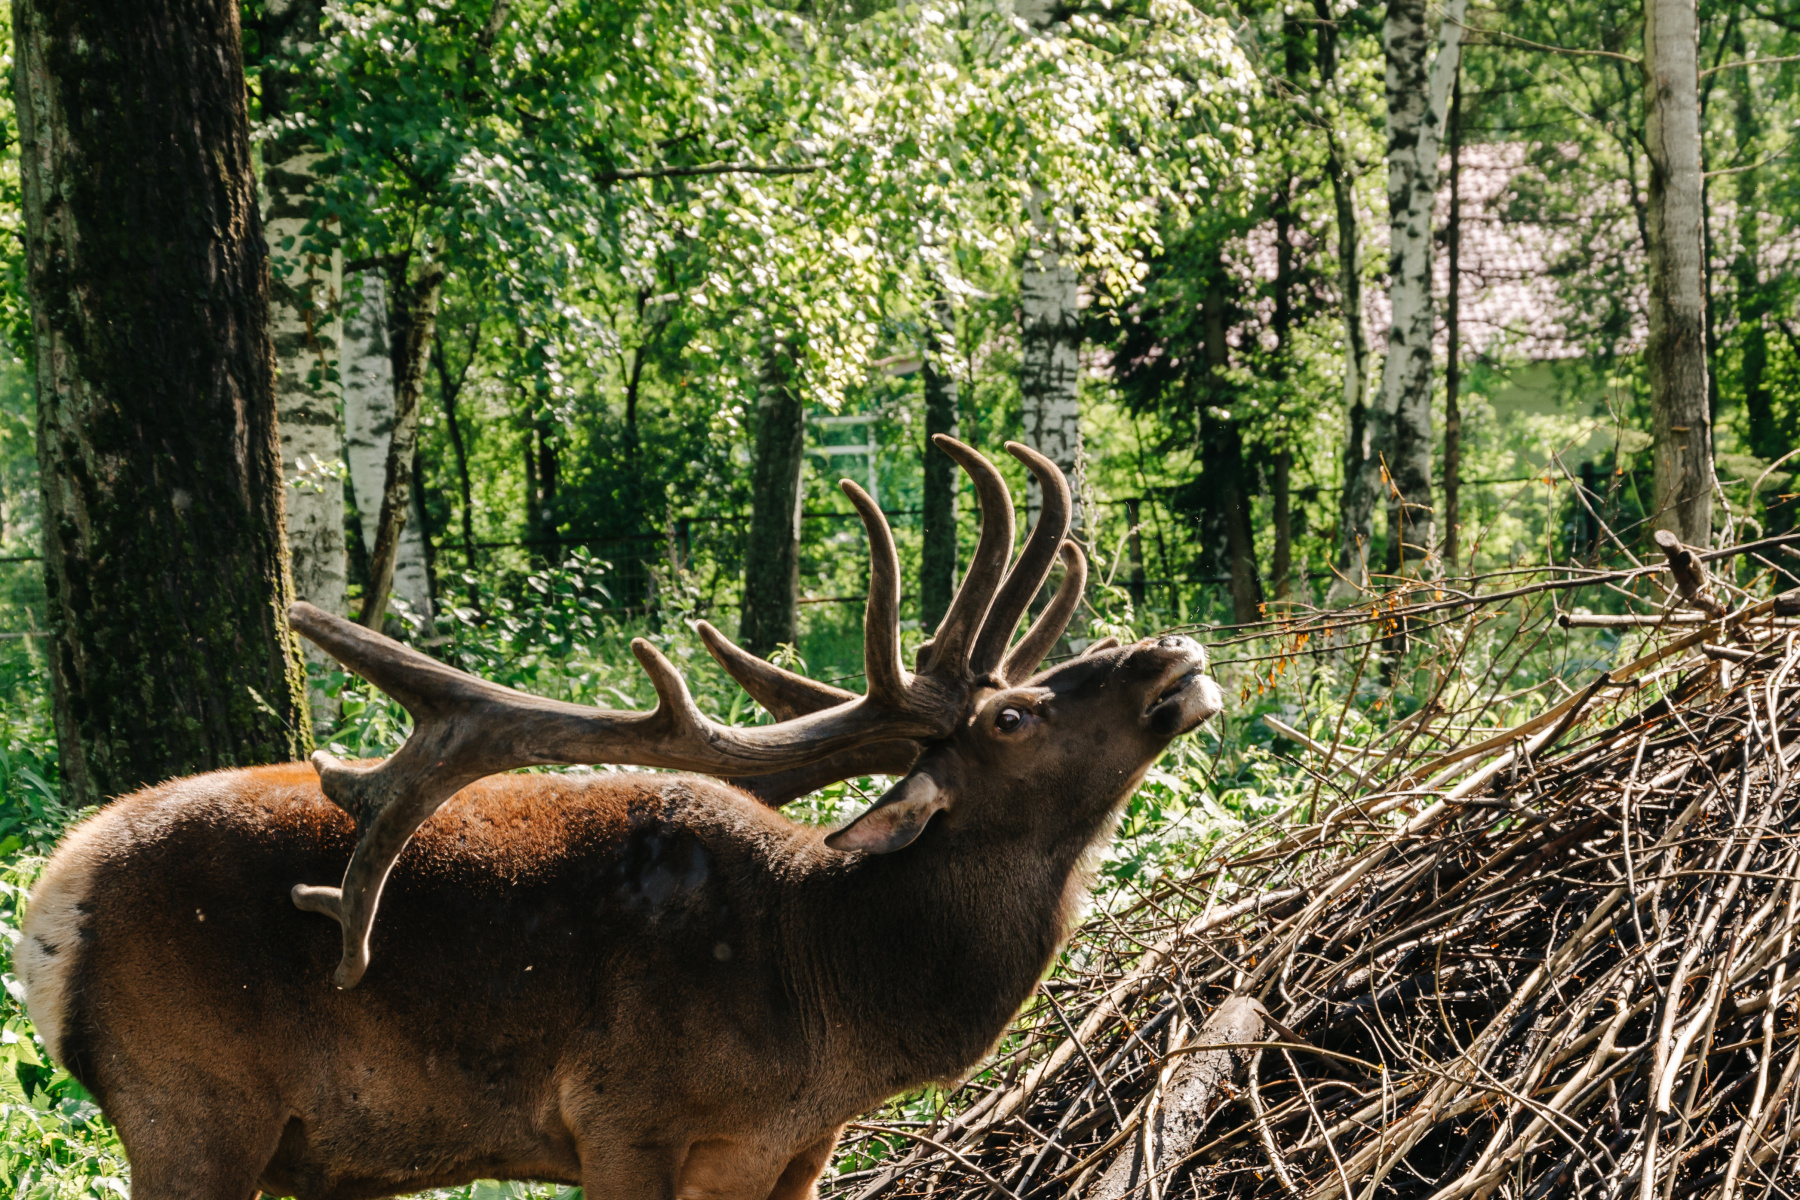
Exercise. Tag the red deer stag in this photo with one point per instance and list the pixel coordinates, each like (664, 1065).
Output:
(651, 985)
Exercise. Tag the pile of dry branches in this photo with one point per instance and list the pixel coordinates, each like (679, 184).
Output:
(1554, 963)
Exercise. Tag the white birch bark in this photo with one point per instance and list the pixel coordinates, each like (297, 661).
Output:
(305, 326)
(1050, 366)
(1049, 373)
(368, 369)
(1676, 351)
(1418, 96)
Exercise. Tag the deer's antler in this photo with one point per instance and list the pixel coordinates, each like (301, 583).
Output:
(786, 694)
(465, 728)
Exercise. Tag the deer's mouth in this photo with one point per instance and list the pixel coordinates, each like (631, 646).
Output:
(1184, 701)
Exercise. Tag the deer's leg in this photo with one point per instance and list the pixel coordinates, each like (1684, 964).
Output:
(802, 1174)
(623, 1172)
(186, 1154)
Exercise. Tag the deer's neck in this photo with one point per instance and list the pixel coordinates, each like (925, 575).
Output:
(929, 952)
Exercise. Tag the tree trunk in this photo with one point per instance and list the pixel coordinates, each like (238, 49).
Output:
(771, 614)
(158, 455)
(449, 391)
(1675, 355)
(1281, 561)
(937, 550)
(1222, 457)
(1050, 339)
(541, 475)
(305, 319)
(1135, 545)
(1418, 92)
(1356, 502)
(1050, 369)
(420, 301)
(369, 394)
(1752, 301)
(1193, 1087)
(1453, 337)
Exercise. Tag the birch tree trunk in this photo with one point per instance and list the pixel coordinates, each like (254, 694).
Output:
(1418, 93)
(771, 613)
(1356, 503)
(1453, 337)
(1050, 369)
(305, 321)
(158, 455)
(1675, 355)
(1050, 337)
(369, 394)
(937, 550)
(419, 303)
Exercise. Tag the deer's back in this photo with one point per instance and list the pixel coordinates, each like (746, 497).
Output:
(551, 950)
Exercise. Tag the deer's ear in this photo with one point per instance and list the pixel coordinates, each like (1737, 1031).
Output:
(893, 821)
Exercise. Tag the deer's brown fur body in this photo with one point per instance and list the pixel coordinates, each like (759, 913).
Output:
(567, 964)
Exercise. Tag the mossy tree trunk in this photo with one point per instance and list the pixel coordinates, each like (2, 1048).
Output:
(771, 613)
(157, 445)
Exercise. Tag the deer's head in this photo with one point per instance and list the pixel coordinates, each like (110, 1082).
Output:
(1051, 756)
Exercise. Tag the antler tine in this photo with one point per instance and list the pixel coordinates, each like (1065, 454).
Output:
(1038, 640)
(788, 695)
(1028, 574)
(785, 694)
(881, 618)
(957, 632)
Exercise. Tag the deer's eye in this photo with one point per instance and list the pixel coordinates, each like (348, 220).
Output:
(1009, 720)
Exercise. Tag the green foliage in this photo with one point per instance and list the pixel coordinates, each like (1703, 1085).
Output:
(54, 1142)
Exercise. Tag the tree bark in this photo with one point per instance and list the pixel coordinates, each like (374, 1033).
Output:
(1191, 1089)
(159, 460)
(305, 319)
(1050, 369)
(420, 299)
(1418, 92)
(1752, 300)
(1675, 355)
(1356, 502)
(937, 550)
(369, 395)
(1453, 336)
(1222, 458)
(1050, 339)
(771, 614)
(1281, 560)
(449, 391)
(1282, 555)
